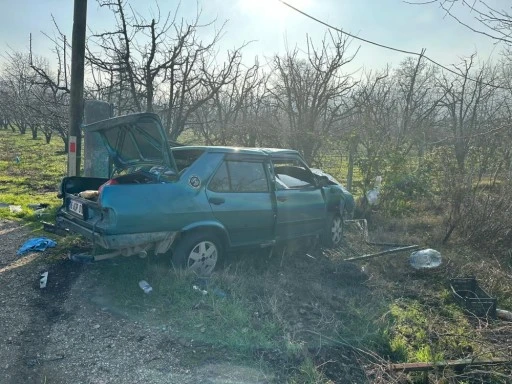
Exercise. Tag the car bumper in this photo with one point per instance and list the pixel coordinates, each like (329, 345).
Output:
(160, 240)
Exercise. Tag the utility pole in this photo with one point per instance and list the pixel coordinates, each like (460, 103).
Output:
(77, 87)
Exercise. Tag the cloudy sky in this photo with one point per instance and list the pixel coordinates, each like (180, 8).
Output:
(271, 26)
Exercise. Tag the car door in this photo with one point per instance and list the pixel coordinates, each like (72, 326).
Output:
(301, 208)
(239, 196)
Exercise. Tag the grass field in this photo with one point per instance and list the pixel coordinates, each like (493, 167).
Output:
(30, 173)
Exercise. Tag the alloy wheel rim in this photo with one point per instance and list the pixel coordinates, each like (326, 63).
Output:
(203, 258)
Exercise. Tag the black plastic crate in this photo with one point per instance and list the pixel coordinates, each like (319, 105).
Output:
(468, 294)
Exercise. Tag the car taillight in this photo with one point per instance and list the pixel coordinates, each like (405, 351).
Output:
(109, 182)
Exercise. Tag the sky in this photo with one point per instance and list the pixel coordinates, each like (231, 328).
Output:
(270, 26)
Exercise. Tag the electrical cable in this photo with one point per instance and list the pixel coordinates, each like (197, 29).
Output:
(389, 47)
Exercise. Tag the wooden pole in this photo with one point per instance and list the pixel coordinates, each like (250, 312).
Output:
(389, 251)
(77, 87)
(421, 367)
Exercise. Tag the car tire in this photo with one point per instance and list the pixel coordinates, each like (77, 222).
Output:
(197, 252)
(333, 234)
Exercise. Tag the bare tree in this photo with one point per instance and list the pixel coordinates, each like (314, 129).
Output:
(194, 84)
(5, 112)
(17, 79)
(373, 124)
(51, 90)
(418, 99)
(312, 92)
(469, 108)
(158, 64)
(234, 114)
(492, 21)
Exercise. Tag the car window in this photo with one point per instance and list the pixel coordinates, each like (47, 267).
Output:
(185, 158)
(240, 176)
(220, 181)
(292, 173)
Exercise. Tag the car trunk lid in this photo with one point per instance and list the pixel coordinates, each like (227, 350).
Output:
(135, 139)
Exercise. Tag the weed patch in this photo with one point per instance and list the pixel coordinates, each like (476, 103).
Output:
(195, 309)
(30, 173)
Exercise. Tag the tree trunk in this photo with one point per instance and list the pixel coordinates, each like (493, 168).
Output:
(351, 160)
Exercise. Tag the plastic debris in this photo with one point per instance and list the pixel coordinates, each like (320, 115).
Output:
(220, 293)
(17, 159)
(144, 285)
(36, 244)
(15, 208)
(373, 195)
(202, 282)
(503, 314)
(203, 286)
(41, 212)
(425, 259)
(35, 207)
(43, 280)
(196, 288)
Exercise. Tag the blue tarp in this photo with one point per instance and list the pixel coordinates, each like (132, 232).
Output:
(36, 244)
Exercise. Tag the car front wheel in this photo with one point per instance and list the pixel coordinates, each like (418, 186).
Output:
(197, 252)
(334, 231)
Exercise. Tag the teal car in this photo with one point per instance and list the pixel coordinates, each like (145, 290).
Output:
(194, 202)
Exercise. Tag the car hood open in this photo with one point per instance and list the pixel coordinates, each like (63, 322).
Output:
(134, 139)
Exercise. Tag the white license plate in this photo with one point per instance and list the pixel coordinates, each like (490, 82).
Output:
(76, 207)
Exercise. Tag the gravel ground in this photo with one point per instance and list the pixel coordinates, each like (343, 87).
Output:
(62, 334)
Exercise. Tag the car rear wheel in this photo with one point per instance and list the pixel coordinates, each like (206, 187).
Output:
(197, 252)
(334, 231)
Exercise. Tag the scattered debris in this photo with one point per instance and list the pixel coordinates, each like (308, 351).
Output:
(36, 244)
(220, 293)
(5, 205)
(372, 196)
(417, 367)
(15, 208)
(196, 288)
(89, 194)
(52, 228)
(382, 253)
(41, 212)
(425, 259)
(144, 285)
(84, 258)
(468, 294)
(203, 286)
(503, 314)
(35, 207)
(362, 224)
(43, 280)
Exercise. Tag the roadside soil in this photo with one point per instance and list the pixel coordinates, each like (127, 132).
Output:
(60, 334)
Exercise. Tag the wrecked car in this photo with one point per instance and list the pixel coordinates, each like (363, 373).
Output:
(347, 203)
(194, 202)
